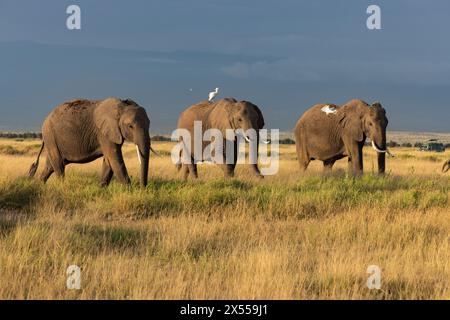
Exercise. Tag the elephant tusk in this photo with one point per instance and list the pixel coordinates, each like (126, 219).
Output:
(374, 146)
(265, 141)
(247, 138)
(138, 154)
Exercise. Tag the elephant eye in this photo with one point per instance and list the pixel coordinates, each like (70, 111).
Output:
(240, 119)
(130, 126)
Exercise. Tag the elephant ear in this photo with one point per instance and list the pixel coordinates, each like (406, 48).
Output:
(260, 117)
(377, 104)
(378, 108)
(351, 122)
(107, 116)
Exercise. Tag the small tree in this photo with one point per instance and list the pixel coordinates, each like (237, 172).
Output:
(392, 144)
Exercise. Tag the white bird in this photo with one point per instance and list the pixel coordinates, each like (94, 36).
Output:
(329, 109)
(213, 94)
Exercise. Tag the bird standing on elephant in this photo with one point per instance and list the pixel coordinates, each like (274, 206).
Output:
(223, 115)
(81, 131)
(213, 94)
(329, 132)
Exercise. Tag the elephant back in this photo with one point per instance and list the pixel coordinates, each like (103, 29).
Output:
(320, 113)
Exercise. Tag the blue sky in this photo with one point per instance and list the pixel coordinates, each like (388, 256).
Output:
(282, 55)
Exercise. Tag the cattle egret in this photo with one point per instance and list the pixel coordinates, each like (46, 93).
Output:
(213, 94)
(329, 109)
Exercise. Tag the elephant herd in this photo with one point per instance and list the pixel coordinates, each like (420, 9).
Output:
(81, 131)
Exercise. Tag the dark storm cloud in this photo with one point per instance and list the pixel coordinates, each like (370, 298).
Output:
(283, 55)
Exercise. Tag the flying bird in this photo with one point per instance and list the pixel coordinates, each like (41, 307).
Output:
(329, 109)
(213, 94)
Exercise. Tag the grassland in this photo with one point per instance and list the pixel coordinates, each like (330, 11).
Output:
(289, 236)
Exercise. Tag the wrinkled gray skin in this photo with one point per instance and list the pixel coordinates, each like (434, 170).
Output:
(223, 114)
(81, 131)
(446, 166)
(330, 137)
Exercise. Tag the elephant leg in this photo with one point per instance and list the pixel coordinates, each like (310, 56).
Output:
(57, 162)
(303, 163)
(47, 172)
(357, 159)
(192, 167)
(107, 174)
(328, 165)
(302, 153)
(115, 159)
(193, 170)
(255, 165)
(350, 165)
(185, 170)
(228, 168)
(256, 171)
(303, 159)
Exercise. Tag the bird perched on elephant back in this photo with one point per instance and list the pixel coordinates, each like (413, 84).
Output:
(81, 131)
(224, 115)
(330, 132)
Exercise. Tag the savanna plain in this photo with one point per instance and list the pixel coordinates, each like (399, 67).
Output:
(288, 236)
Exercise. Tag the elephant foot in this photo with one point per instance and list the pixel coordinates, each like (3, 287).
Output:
(103, 184)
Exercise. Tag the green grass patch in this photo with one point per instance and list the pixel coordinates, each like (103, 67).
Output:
(19, 193)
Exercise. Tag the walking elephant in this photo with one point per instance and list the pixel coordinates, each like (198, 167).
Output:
(226, 114)
(330, 132)
(81, 131)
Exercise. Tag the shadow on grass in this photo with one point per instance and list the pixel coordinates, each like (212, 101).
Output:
(18, 194)
(7, 226)
(94, 239)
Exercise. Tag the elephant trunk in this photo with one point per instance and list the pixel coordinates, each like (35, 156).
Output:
(380, 146)
(253, 157)
(255, 165)
(143, 152)
(381, 163)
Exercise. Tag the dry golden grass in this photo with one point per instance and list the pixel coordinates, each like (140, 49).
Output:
(290, 236)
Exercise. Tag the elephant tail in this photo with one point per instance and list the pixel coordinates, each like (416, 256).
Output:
(178, 165)
(35, 165)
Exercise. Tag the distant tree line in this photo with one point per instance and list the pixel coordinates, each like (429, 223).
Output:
(394, 144)
(21, 135)
(38, 135)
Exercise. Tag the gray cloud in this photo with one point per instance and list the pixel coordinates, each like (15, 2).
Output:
(361, 72)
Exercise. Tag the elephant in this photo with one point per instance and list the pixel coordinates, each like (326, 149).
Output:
(446, 166)
(226, 114)
(329, 132)
(81, 131)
